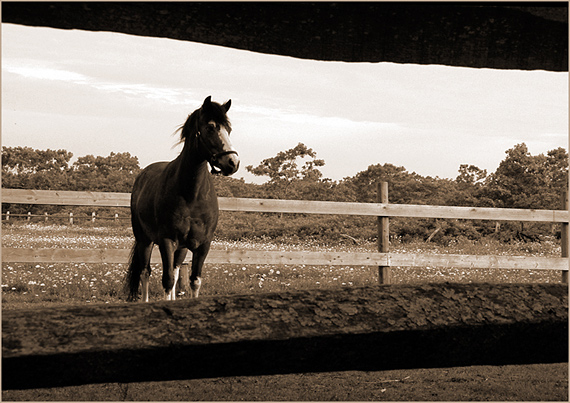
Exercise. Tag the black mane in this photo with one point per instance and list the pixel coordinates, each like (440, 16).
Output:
(214, 111)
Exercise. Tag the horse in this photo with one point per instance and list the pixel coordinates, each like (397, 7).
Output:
(174, 204)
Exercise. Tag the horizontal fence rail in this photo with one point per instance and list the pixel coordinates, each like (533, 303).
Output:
(51, 255)
(62, 217)
(107, 199)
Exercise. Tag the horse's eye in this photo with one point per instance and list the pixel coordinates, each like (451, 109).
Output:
(211, 128)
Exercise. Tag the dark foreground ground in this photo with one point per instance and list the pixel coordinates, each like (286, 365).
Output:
(538, 382)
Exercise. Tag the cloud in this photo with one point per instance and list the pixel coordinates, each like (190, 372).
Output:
(45, 73)
(172, 96)
(308, 120)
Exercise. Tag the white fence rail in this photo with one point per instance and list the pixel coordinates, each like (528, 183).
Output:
(383, 260)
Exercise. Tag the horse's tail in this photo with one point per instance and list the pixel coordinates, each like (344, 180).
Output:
(133, 276)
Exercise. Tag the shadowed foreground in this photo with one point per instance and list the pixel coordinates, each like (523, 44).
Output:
(472, 35)
(535, 382)
(366, 329)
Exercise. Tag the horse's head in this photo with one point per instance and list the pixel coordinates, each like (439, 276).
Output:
(211, 129)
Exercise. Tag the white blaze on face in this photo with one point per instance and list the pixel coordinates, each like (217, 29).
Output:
(226, 159)
(224, 137)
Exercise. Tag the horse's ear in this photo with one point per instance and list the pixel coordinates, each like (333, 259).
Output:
(227, 105)
(208, 101)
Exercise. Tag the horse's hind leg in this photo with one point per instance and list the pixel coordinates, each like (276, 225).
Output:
(179, 257)
(146, 252)
(139, 270)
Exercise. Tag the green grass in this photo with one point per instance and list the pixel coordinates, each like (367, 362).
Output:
(79, 283)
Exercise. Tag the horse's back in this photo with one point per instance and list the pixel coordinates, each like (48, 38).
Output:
(146, 191)
(148, 180)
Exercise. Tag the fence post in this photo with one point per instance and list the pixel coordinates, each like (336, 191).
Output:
(46, 217)
(70, 218)
(93, 217)
(384, 273)
(564, 236)
(29, 216)
(7, 216)
(116, 216)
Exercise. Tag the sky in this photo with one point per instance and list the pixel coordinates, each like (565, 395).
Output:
(101, 92)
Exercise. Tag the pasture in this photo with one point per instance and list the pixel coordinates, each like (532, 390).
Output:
(59, 284)
(79, 283)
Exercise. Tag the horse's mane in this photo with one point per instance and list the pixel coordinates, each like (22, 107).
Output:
(214, 112)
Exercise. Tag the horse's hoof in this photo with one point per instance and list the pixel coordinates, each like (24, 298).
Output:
(195, 287)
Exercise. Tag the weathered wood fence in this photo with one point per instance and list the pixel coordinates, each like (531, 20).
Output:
(383, 210)
(70, 218)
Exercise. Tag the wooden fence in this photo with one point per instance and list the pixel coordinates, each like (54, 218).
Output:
(383, 210)
(70, 218)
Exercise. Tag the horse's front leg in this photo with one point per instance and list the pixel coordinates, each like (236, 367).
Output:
(170, 272)
(179, 257)
(198, 258)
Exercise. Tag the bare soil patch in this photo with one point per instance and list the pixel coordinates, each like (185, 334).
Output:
(537, 382)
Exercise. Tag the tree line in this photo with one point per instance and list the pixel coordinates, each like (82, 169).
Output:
(26, 168)
(521, 180)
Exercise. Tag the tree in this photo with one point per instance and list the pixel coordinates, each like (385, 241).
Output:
(471, 174)
(26, 168)
(227, 186)
(115, 173)
(286, 178)
(526, 181)
(469, 187)
(556, 169)
(404, 187)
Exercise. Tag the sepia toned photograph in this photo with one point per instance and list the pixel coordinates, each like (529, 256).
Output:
(284, 201)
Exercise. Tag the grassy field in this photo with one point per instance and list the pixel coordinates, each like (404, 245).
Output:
(52, 284)
(47, 284)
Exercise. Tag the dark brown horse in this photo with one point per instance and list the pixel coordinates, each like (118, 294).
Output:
(174, 204)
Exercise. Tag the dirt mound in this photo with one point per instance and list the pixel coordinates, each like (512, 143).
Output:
(367, 328)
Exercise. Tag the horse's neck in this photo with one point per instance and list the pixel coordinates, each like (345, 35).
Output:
(191, 172)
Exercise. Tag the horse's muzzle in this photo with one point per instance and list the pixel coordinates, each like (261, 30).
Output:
(227, 162)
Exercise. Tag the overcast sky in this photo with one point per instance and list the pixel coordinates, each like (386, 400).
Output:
(98, 92)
